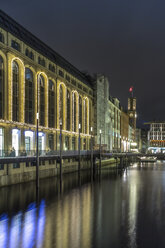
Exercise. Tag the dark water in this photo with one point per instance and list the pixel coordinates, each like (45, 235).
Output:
(112, 210)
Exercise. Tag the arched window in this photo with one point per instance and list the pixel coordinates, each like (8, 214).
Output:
(15, 76)
(68, 110)
(74, 112)
(90, 115)
(80, 113)
(29, 96)
(42, 101)
(85, 115)
(1, 87)
(51, 104)
(61, 105)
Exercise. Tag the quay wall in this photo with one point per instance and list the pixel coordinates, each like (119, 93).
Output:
(24, 172)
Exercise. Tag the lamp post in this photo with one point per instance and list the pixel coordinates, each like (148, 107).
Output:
(91, 150)
(37, 151)
(60, 149)
(79, 147)
(100, 151)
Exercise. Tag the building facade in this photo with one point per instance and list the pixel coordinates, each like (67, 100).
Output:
(107, 113)
(124, 131)
(132, 114)
(156, 137)
(102, 120)
(138, 140)
(34, 78)
(116, 123)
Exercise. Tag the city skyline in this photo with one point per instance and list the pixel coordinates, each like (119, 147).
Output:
(99, 41)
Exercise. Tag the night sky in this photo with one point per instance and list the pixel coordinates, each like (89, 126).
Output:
(123, 39)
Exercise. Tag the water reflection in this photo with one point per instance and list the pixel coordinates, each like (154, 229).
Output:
(115, 210)
(3, 231)
(15, 231)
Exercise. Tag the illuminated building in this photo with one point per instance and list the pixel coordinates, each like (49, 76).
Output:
(156, 136)
(138, 139)
(116, 122)
(125, 142)
(65, 94)
(132, 114)
(107, 113)
(102, 119)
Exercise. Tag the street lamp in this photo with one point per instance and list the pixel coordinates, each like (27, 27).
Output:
(79, 146)
(100, 150)
(60, 149)
(91, 150)
(37, 152)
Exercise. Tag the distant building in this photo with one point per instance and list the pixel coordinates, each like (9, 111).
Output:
(138, 139)
(116, 117)
(131, 138)
(124, 131)
(144, 140)
(156, 136)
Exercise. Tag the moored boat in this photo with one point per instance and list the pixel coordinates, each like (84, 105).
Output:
(148, 159)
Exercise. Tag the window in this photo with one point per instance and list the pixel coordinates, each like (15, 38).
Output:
(29, 54)
(51, 68)
(61, 105)
(41, 61)
(1, 37)
(73, 143)
(74, 82)
(67, 78)
(51, 104)
(85, 89)
(84, 144)
(51, 142)
(80, 113)
(15, 45)
(79, 86)
(1, 87)
(61, 74)
(66, 143)
(85, 115)
(42, 100)
(15, 105)
(29, 96)
(74, 112)
(1, 141)
(68, 110)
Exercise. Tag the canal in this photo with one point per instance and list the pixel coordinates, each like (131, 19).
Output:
(111, 210)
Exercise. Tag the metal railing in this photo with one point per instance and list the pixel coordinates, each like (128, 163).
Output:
(23, 153)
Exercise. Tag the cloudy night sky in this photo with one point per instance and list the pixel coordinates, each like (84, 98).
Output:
(125, 40)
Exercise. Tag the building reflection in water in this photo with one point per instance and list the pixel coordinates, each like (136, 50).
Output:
(111, 212)
(66, 223)
(3, 231)
(15, 231)
(25, 230)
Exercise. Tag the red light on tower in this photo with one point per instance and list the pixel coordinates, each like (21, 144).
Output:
(131, 90)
